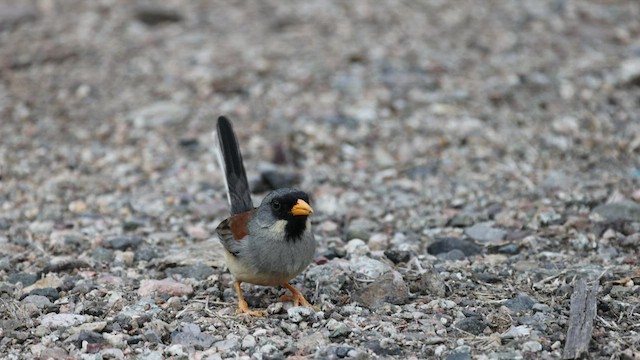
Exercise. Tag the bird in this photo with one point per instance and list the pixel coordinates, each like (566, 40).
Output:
(266, 245)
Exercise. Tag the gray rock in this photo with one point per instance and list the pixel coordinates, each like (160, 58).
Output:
(159, 114)
(299, 313)
(226, 345)
(14, 15)
(459, 356)
(474, 325)
(629, 72)
(398, 256)
(361, 228)
(62, 320)
(532, 346)
(548, 218)
(462, 219)
(197, 271)
(452, 255)
(485, 232)
(124, 242)
(51, 293)
(388, 288)
(39, 301)
(383, 348)
(145, 253)
(102, 255)
(521, 302)
(444, 245)
(192, 336)
(25, 279)
(151, 355)
(248, 342)
(156, 14)
(623, 210)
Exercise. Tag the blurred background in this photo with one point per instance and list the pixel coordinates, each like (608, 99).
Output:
(405, 120)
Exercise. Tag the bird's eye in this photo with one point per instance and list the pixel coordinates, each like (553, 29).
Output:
(275, 205)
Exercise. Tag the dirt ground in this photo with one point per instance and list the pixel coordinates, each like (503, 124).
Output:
(468, 162)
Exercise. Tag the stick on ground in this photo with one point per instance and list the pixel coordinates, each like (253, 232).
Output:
(582, 313)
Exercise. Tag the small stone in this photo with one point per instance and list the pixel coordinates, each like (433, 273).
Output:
(547, 218)
(39, 301)
(474, 325)
(170, 287)
(624, 210)
(509, 249)
(327, 227)
(159, 114)
(629, 73)
(197, 271)
(459, 356)
(248, 342)
(112, 353)
(532, 346)
(388, 288)
(360, 228)
(102, 255)
(153, 15)
(383, 349)
(516, 332)
(398, 256)
(77, 206)
(115, 339)
(485, 232)
(62, 320)
(462, 219)
(378, 241)
(192, 336)
(124, 242)
(542, 308)
(453, 255)
(226, 345)
(50, 293)
(16, 14)
(145, 253)
(520, 303)
(356, 247)
(151, 355)
(197, 232)
(299, 313)
(444, 245)
(25, 279)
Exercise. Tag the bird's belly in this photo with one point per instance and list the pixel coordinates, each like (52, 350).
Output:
(246, 273)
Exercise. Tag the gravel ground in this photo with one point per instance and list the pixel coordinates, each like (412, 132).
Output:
(468, 161)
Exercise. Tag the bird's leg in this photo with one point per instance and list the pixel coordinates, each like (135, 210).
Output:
(296, 296)
(243, 308)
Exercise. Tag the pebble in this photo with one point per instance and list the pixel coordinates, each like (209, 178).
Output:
(624, 210)
(378, 241)
(474, 325)
(521, 302)
(41, 302)
(159, 114)
(124, 242)
(398, 256)
(248, 342)
(102, 255)
(485, 233)
(197, 271)
(25, 279)
(167, 286)
(447, 244)
(190, 335)
(299, 313)
(388, 288)
(532, 346)
(62, 320)
(360, 228)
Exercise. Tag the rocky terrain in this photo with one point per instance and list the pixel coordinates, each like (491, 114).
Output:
(469, 163)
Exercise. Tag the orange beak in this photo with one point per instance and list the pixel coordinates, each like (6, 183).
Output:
(301, 208)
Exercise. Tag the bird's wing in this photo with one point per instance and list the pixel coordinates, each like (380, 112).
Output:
(234, 230)
(230, 161)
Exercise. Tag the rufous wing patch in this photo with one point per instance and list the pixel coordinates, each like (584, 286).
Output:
(239, 224)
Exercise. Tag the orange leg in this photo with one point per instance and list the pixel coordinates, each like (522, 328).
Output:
(243, 308)
(296, 296)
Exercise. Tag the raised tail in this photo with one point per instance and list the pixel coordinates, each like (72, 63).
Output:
(230, 161)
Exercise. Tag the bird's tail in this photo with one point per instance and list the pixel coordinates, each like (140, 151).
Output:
(230, 161)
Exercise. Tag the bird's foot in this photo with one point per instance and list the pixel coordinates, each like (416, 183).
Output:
(296, 297)
(243, 308)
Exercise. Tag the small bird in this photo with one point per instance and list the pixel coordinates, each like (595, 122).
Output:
(268, 245)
